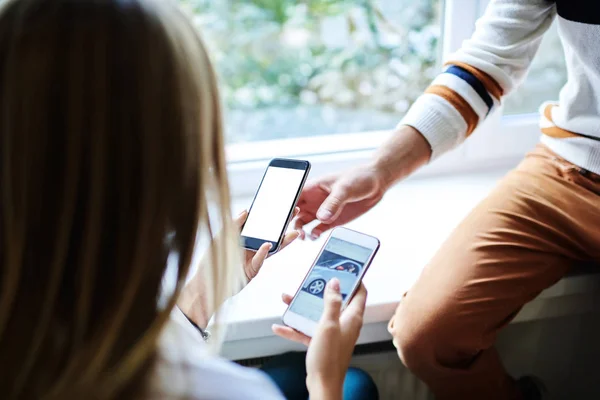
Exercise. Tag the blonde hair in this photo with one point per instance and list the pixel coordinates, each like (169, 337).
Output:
(112, 155)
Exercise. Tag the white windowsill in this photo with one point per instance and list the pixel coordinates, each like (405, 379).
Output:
(499, 142)
(411, 222)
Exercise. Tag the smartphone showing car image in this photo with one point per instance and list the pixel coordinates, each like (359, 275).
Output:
(273, 206)
(346, 256)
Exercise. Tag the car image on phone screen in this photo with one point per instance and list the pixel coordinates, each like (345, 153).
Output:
(274, 203)
(346, 256)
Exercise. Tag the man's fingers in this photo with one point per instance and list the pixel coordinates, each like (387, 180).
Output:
(333, 301)
(318, 230)
(302, 234)
(240, 220)
(289, 238)
(290, 334)
(287, 298)
(333, 204)
(303, 218)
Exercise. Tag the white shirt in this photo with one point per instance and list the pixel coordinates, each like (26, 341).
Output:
(186, 370)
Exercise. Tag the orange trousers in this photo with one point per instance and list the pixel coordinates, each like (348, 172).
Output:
(541, 219)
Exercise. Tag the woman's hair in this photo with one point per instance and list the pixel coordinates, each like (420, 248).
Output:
(112, 155)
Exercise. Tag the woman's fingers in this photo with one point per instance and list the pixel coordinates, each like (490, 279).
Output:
(285, 331)
(333, 301)
(359, 300)
(354, 312)
(260, 256)
(240, 220)
(290, 334)
(287, 298)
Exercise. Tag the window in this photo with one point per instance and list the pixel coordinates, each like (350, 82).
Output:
(328, 264)
(294, 69)
(326, 80)
(351, 268)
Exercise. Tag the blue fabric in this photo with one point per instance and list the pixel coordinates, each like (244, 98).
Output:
(474, 82)
(288, 371)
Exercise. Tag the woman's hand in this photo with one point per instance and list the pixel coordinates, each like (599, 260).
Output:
(330, 350)
(253, 260)
(192, 300)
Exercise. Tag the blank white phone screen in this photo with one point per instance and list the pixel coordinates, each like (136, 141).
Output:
(273, 203)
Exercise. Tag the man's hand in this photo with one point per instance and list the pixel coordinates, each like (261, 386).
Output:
(338, 199)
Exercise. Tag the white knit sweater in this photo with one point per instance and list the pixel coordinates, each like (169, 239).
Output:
(495, 60)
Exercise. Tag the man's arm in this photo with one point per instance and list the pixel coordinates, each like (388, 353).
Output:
(487, 67)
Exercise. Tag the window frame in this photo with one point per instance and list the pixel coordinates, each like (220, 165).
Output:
(500, 141)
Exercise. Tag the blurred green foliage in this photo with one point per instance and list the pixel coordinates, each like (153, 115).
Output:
(375, 54)
(292, 68)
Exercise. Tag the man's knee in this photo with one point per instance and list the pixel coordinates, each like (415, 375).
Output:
(424, 346)
(426, 343)
(413, 341)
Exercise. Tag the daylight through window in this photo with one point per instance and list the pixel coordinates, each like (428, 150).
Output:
(319, 67)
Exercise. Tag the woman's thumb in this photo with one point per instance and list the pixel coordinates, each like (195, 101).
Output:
(333, 301)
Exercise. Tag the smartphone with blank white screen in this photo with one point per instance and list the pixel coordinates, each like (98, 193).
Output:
(273, 206)
(346, 255)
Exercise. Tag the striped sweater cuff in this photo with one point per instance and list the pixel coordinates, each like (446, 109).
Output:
(456, 102)
(438, 122)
